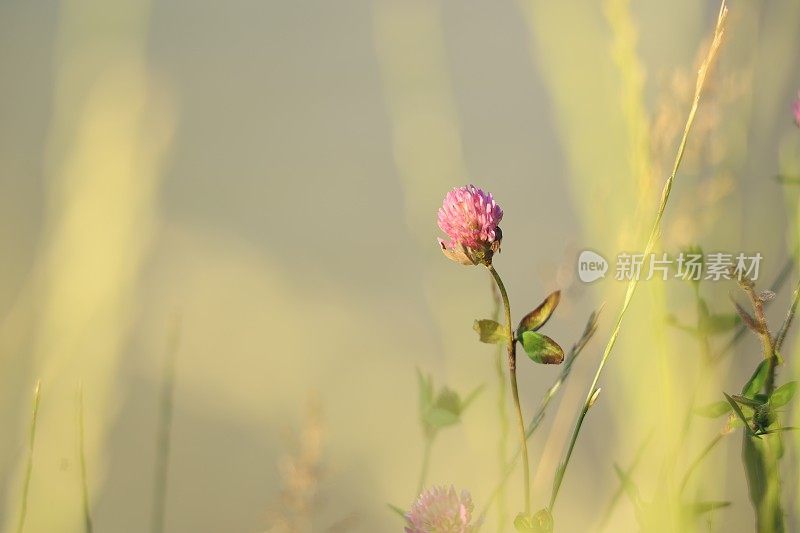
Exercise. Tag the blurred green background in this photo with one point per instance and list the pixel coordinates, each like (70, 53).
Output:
(269, 172)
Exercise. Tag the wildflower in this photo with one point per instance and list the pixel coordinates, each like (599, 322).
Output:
(470, 217)
(441, 510)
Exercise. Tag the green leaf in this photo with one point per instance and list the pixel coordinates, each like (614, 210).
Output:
(783, 394)
(397, 510)
(425, 391)
(448, 400)
(701, 508)
(438, 418)
(539, 316)
(721, 323)
(541, 522)
(471, 397)
(760, 458)
(541, 348)
(444, 409)
(490, 331)
(714, 410)
(673, 321)
(744, 401)
(740, 414)
(524, 523)
(733, 423)
(778, 430)
(756, 381)
(628, 485)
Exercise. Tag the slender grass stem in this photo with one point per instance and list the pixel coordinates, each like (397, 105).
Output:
(26, 482)
(87, 516)
(512, 372)
(502, 417)
(653, 237)
(705, 367)
(787, 322)
(621, 489)
(163, 438)
(426, 460)
(699, 459)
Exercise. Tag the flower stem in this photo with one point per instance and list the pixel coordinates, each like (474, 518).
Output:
(508, 469)
(502, 417)
(512, 372)
(426, 459)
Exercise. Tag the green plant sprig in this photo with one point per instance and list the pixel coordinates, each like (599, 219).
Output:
(512, 372)
(574, 352)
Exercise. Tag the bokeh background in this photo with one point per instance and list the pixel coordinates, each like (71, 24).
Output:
(267, 174)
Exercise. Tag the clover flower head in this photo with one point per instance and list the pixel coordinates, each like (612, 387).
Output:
(470, 217)
(441, 510)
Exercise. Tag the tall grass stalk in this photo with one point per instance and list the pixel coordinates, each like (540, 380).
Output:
(654, 233)
(26, 483)
(87, 516)
(163, 438)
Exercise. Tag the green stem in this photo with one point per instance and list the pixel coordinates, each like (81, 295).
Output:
(705, 366)
(502, 416)
(512, 372)
(87, 516)
(23, 510)
(788, 320)
(621, 489)
(699, 459)
(165, 431)
(426, 459)
(508, 469)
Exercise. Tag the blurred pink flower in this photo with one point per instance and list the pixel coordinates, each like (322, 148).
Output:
(470, 217)
(796, 109)
(441, 510)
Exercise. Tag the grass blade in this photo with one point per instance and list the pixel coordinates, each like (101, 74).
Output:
(165, 431)
(654, 232)
(87, 516)
(23, 509)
